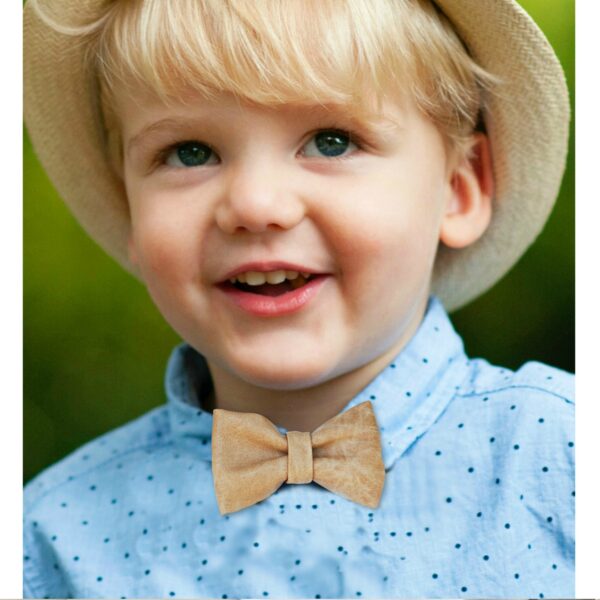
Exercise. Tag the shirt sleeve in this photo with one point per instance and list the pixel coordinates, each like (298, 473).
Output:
(42, 575)
(548, 468)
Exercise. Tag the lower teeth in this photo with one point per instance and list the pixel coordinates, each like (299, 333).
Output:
(298, 282)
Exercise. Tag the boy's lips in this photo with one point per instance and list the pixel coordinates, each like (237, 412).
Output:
(281, 297)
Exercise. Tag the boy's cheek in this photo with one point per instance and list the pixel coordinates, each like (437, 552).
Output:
(158, 252)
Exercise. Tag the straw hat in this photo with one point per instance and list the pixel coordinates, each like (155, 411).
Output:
(527, 123)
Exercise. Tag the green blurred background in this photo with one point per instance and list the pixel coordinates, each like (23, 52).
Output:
(95, 347)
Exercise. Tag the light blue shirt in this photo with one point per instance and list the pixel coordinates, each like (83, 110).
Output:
(478, 498)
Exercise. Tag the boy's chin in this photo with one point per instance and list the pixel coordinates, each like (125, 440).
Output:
(284, 374)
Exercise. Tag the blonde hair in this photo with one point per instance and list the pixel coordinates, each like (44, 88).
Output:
(347, 52)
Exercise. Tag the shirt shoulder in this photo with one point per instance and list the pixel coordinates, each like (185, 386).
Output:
(150, 430)
(527, 421)
(533, 379)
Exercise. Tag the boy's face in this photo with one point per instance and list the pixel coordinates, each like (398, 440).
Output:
(219, 188)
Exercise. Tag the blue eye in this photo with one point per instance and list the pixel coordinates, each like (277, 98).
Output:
(329, 143)
(190, 154)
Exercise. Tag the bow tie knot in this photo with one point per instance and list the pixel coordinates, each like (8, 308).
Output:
(300, 457)
(251, 459)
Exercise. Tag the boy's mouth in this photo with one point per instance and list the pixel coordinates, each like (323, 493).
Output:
(272, 289)
(269, 283)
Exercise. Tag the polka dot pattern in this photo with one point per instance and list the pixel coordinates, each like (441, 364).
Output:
(478, 498)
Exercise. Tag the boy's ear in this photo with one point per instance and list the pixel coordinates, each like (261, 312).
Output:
(469, 208)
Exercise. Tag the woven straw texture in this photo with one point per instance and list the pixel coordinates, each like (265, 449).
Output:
(527, 120)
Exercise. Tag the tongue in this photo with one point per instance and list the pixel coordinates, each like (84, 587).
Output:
(271, 289)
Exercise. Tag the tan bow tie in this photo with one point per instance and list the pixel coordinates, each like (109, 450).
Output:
(251, 459)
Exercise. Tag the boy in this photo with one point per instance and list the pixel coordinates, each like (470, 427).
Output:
(292, 181)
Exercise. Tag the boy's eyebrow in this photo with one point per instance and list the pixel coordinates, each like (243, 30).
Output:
(154, 128)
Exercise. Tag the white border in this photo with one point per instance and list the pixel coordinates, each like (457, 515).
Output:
(11, 421)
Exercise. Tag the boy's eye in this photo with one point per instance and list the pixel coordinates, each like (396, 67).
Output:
(329, 143)
(190, 154)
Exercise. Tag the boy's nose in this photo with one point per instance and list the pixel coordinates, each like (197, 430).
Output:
(256, 199)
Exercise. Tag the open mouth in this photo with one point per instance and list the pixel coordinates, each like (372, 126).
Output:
(271, 283)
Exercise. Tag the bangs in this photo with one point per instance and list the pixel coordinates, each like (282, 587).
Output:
(268, 52)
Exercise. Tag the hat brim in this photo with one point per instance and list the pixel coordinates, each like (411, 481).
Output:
(527, 120)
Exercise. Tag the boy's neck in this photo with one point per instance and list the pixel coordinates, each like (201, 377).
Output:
(303, 409)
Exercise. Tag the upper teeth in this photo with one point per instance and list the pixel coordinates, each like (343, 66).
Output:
(259, 278)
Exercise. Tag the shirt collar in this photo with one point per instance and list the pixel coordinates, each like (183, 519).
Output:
(407, 396)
